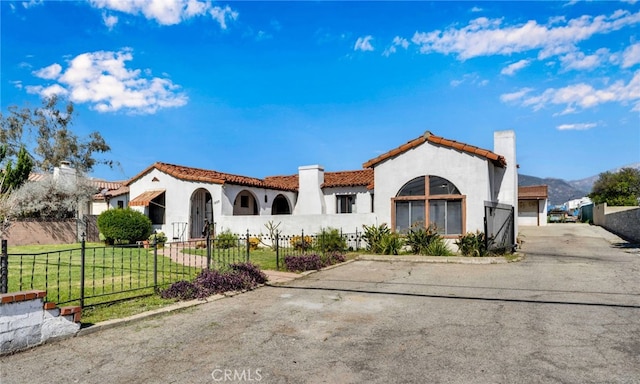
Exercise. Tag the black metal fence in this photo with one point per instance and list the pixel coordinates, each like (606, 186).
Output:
(90, 275)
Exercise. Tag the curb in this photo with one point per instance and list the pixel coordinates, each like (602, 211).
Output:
(440, 259)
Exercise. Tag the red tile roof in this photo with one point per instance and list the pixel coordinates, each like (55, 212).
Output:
(362, 177)
(533, 192)
(428, 136)
(208, 176)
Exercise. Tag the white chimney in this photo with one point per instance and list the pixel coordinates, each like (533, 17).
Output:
(310, 196)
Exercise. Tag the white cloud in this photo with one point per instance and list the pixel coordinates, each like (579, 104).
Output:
(223, 14)
(397, 42)
(580, 96)
(471, 78)
(32, 3)
(476, 9)
(580, 61)
(576, 127)
(484, 37)
(515, 96)
(109, 20)
(167, 12)
(511, 69)
(364, 44)
(51, 72)
(631, 56)
(102, 80)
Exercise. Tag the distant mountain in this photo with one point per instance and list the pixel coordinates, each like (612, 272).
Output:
(560, 191)
(586, 184)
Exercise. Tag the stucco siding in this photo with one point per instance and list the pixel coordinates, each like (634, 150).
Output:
(468, 173)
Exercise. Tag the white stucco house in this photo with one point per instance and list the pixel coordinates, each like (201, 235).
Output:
(429, 179)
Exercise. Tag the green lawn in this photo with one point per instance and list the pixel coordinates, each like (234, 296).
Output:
(111, 273)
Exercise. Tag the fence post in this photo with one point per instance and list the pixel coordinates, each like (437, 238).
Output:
(277, 251)
(248, 246)
(83, 264)
(155, 264)
(207, 239)
(303, 243)
(4, 268)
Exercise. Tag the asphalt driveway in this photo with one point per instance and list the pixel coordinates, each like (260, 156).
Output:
(568, 313)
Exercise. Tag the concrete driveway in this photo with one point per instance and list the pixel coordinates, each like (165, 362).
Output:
(568, 313)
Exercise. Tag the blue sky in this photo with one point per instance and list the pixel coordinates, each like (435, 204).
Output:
(260, 88)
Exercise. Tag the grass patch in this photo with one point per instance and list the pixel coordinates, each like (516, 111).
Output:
(118, 310)
(111, 273)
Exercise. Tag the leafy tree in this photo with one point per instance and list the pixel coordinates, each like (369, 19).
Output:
(13, 178)
(47, 131)
(617, 188)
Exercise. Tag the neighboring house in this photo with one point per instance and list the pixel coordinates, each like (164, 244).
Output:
(532, 205)
(428, 180)
(111, 194)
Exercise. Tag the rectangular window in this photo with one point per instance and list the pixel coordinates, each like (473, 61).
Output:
(408, 214)
(120, 204)
(446, 215)
(244, 201)
(345, 204)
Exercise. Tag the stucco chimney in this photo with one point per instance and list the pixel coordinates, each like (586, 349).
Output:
(504, 144)
(310, 197)
(64, 173)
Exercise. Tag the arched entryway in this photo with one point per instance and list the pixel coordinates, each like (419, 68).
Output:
(201, 209)
(245, 204)
(280, 206)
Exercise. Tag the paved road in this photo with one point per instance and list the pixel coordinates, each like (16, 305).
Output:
(568, 313)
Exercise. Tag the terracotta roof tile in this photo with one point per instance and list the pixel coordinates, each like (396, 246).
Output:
(428, 136)
(533, 192)
(362, 177)
(207, 176)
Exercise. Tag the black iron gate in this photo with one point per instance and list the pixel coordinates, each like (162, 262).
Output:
(498, 227)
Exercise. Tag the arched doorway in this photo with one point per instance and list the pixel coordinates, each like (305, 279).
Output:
(201, 209)
(280, 206)
(245, 204)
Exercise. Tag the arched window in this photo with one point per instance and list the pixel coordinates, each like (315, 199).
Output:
(245, 204)
(280, 206)
(432, 197)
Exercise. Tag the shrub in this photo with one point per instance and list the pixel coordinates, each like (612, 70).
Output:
(226, 240)
(301, 244)
(124, 225)
(238, 277)
(312, 261)
(303, 263)
(182, 290)
(419, 238)
(437, 247)
(391, 244)
(254, 242)
(334, 258)
(159, 238)
(330, 240)
(374, 235)
(472, 244)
